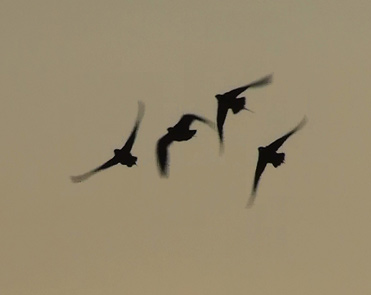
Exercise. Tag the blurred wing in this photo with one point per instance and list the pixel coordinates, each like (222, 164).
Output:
(261, 82)
(236, 92)
(162, 154)
(276, 144)
(187, 120)
(130, 142)
(206, 121)
(220, 119)
(85, 176)
(258, 172)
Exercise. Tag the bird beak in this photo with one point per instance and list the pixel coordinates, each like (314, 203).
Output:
(248, 110)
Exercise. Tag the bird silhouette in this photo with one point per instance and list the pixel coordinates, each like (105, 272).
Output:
(179, 132)
(269, 154)
(230, 100)
(122, 156)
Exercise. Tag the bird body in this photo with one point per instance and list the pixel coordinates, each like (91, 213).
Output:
(231, 101)
(235, 104)
(121, 156)
(125, 158)
(179, 132)
(269, 155)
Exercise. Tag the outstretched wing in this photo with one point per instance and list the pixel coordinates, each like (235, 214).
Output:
(258, 172)
(129, 143)
(187, 120)
(261, 82)
(274, 146)
(162, 154)
(220, 119)
(85, 176)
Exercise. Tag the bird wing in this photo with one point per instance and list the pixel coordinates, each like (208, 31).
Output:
(220, 119)
(258, 83)
(187, 120)
(162, 154)
(236, 92)
(85, 176)
(258, 172)
(130, 141)
(277, 143)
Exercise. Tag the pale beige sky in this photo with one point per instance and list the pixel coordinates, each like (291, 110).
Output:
(71, 73)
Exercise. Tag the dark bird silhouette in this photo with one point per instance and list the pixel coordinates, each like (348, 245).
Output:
(269, 154)
(122, 156)
(230, 100)
(179, 132)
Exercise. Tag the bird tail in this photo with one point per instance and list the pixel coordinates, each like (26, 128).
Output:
(238, 105)
(278, 159)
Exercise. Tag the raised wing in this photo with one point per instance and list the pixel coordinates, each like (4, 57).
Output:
(261, 82)
(274, 146)
(258, 172)
(130, 142)
(85, 176)
(162, 154)
(188, 119)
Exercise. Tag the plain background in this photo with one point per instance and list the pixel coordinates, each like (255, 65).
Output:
(71, 73)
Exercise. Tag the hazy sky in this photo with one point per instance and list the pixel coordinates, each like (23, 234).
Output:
(71, 74)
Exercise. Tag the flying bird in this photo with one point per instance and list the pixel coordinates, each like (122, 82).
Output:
(230, 100)
(179, 132)
(269, 154)
(121, 156)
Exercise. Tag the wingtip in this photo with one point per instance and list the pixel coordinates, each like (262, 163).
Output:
(164, 174)
(221, 146)
(268, 78)
(249, 204)
(141, 110)
(141, 107)
(212, 124)
(303, 122)
(75, 179)
(251, 200)
(305, 119)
